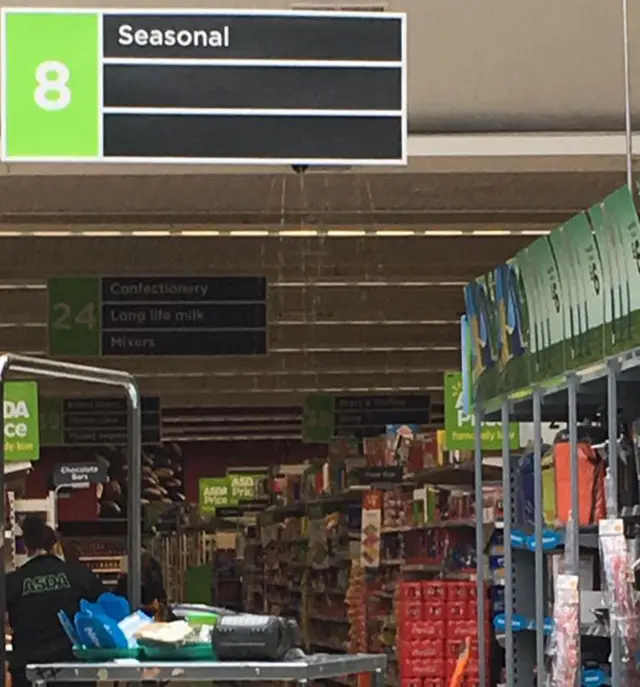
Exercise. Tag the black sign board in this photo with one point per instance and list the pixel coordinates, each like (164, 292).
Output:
(355, 414)
(100, 421)
(77, 475)
(374, 475)
(184, 316)
(254, 87)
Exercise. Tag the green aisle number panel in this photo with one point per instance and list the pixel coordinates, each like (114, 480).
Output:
(51, 95)
(74, 316)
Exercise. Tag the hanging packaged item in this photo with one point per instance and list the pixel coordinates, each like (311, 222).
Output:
(591, 472)
(565, 636)
(619, 588)
(525, 509)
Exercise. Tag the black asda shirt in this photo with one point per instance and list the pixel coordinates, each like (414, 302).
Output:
(35, 593)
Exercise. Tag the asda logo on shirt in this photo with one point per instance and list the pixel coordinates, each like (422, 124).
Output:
(38, 584)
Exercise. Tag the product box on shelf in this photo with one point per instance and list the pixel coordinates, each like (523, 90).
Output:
(434, 619)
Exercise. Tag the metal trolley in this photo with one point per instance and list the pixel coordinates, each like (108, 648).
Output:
(301, 671)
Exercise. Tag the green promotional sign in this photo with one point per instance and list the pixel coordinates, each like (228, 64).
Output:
(21, 434)
(214, 492)
(243, 486)
(318, 418)
(566, 301)
(459, 427)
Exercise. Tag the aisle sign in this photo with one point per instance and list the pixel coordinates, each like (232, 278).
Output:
(21, 433)
(95, 421)
(371, 414)
(193, 86)
(460, 427)
(157, 316)
(318, 419)
(566, 301)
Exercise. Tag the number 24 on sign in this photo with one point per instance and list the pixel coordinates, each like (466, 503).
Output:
(64, 318)
(52, 92)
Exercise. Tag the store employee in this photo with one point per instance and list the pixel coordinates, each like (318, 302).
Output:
(36, 591)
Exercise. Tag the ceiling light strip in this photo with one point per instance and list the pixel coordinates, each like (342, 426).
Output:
(295, 323)
(320, 283)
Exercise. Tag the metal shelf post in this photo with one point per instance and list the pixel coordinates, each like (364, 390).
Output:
(480, 565)
(572, 403)
(612, 427)
(508, 558)
(539, 526)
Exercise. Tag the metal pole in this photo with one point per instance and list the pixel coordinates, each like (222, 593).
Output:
(572, 392)
(508, 556)
(627, 94)
(612, 426)
(3, 595)
(481, 601)
(539, 526)
(134, 524)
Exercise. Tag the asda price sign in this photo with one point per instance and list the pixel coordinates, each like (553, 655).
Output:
(21, 432)
(460, 427)
(213, 493)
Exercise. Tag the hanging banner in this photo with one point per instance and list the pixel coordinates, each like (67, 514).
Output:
(371, 529)
(566, 301)
(460, 426)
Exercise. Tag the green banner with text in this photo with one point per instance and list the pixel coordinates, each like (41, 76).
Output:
(564, 302)
(460, 427)
(21, 432)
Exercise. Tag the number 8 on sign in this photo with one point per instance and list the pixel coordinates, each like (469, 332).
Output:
(52, 92)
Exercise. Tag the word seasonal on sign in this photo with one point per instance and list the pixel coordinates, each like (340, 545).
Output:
(189, 86)
(20, 411)
(76, 475)
(156, 316)
(95, 421)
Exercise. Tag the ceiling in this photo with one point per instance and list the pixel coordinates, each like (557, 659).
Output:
(365, 269)
(493, 65)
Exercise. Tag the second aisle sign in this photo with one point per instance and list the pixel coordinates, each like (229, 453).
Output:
(155, 316)
(229, 87)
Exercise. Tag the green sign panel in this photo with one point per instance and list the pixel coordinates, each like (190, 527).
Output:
(51, 105)
(213, 493)
(216, 492)
(318, 418)
(21, 435)
(566, 301)
(459, 427)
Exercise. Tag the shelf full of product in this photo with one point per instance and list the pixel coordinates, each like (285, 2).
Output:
(551, 336)
(343, 559)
